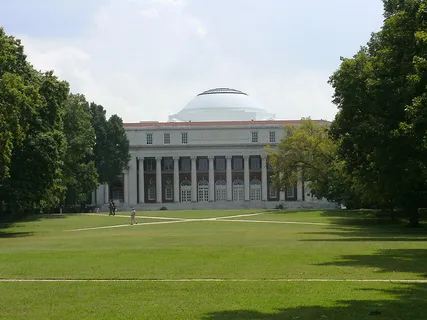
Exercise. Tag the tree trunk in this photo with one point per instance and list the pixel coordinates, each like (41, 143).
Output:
(414, 217)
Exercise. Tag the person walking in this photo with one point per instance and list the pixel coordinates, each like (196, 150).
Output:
(132, 216)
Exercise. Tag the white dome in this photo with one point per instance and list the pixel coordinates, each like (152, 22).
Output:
(222, 104)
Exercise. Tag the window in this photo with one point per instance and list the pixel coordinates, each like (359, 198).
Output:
(238, 163)
(151, 193)
(220, 191)
(168, 164)
(272, 136)
(151, 164)
(203, 191)
(254, 136)
(184, 138)
(255, 190)
(185, 164)
(168, 193)
(149, 137)
(185, 191)
(203, 164)
(166, 138)
(238, 190)
(273, 192)
(290, 192)
(220, 164)
(255, 163)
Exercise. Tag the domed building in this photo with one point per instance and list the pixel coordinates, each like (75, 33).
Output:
(222, 104)
(209, 155)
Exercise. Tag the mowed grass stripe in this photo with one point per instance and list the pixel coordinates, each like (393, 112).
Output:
(217, 280)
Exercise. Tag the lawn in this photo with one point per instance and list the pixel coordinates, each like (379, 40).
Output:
(189, 265)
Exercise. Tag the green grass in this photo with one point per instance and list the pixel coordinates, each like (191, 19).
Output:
(352, 245)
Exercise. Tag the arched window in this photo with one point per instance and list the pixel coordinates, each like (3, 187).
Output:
(238, 190)
(255, 190)
(220, 191)
(185, 191)
(203, 191)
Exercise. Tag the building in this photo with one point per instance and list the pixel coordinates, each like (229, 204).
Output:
(211, 154)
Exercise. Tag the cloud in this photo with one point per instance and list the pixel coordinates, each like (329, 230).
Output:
(145, 59)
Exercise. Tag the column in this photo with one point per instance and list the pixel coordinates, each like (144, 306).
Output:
(211, 179)
(93, 198)
(246, 176)
(299, 185)
(176, 179)
(106, 193)
(132, 181)
(282, 193)
(229, 178)
(159, 180)
(193, 179)
(100, 195)
(264, 182)
(126, 186)
(141, 181)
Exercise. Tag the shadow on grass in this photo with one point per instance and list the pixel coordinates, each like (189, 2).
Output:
(388, 260)
(4, 226)
(408, 303)
(403, 301)
(366, 225)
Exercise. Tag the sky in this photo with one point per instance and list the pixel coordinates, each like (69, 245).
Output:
(146, 59)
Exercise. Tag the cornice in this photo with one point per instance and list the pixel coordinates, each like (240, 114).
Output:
(189, 128)
(199, 146)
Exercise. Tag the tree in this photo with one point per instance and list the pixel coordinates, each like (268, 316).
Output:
(17, 96)
(381, 96)
(306, 150)
(111, 152)
(80, 175)
(35, 181)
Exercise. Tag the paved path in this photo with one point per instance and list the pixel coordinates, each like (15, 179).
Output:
(171, 220)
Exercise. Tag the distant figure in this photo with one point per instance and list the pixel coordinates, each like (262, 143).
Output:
(114, 208)
(111, 207)
(132, 217)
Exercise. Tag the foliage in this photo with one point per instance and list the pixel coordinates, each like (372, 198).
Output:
(47, 138)
(307, 150)
(80, 175)
(381, 126)
(17, 96)
(111, 152)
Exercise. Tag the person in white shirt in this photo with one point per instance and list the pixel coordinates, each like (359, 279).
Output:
(132, 217)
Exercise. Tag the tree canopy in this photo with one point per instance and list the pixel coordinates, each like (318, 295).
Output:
(49, 138)
(381, 94)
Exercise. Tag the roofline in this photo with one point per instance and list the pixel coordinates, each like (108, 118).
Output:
(204, 124)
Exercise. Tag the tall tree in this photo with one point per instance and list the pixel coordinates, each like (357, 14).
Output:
(80, 175)
(380, 94)
(35, 181)
(17, 96)
(307, 150)
(111, 152)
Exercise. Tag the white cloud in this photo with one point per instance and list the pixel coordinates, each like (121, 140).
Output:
(145, 59)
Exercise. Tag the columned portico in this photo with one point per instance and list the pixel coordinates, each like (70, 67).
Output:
(176, 178)
(264, 178)
(106, 193)
(159, 179)
(126, 186)
(246, 176)
(141, 180)
(132, 193)
(229, 179)
(211, 179)
(193, 179)
(299, 187)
